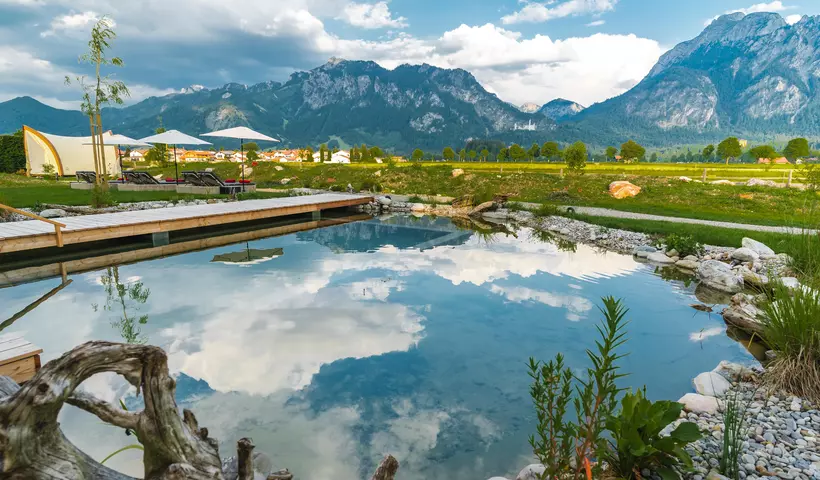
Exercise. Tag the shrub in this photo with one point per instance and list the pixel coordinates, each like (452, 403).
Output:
(415, 199)
(791, 327)
(516, 207)
(637, 442)
(546, 210)
(684, 244)
(804, 255)
(101, 197)
(564, 447)
(371, 186)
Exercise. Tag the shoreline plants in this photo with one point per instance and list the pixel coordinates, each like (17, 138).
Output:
(629, 439)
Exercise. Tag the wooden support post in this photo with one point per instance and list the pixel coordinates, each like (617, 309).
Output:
(789, 182)
(59, 235)
(703, 178)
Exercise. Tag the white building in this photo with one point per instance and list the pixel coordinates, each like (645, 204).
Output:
(342, 156)
(136, 155)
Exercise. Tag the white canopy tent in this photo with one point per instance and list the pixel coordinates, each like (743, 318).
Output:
(242, 133)
(174, 137)
(66, 155)
(120, 140)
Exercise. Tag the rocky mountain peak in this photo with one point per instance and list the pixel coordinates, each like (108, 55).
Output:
(561, 109)
(529, 107)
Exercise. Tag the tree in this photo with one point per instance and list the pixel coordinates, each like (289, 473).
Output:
(253, 156)
(354, 154)
(103, 92)
(12, 152)
(448, 154)
(365, 153)
(323, 153)
(763, 151)
(611, 153)
(502, 155)
(797, 148)
(654, 157)
(729, 149)
(534, 151)
(517, 154)
(472, 154)
(485, 154)
(462, 155)
(307, 154)
(708, 152)
(251, 147)
(576, 157)
(417, 155)
(632, 152)
(550, 150)
(159, 152)
(375, 152)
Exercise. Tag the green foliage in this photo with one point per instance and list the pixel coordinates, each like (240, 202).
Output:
(804, 255)
(534, 152)
(654, 157)
(376, 152)
(559, 444)
(472, 154)
(48, 170)
(12, 153)
(637, 442)
(158, 154)
(449, 154)
(811, 176)
(611, 152)
(763, 151)
(684, 244)
(418, 154)
(251, 147)
(485, 154)
(125, 299)
(576, 157)
(729, 149)
(462, 155)
(797, 148)
(734, 426)
(791, 327)
(253, 156)
(517, 153)
(550, 150)
(632, 152)
(101, 197)
(502, 155)
(708, 151)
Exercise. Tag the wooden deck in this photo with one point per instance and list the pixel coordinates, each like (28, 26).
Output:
(19, 359)
(34, 234)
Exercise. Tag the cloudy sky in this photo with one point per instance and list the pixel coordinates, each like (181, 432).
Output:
(523, 50)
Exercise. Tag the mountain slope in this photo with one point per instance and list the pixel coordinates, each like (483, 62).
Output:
(560, 109)
(21, 111)
(752, 75)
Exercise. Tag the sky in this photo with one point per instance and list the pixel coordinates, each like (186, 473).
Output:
(525, 51)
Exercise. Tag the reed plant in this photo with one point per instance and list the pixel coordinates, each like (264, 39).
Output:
(734, 433)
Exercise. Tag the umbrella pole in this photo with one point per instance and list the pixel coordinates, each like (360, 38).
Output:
(176, 167)
(119, 155)
(242, 159)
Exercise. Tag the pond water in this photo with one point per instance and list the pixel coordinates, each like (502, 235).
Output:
(403, 336)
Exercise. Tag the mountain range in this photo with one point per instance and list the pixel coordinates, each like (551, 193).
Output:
(752, 75)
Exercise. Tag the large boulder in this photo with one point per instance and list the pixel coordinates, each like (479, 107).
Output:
(623, 189)
(734, 371)
(384, 200)
(457, 172)
(722, 182)
(760, 248)
(743, 314)
(720, 276)
(660, 257)
(697, 403)
(687, 264)
(744, 254)
(53, 213)
(756, 182)
(711, 384)
(531, 472)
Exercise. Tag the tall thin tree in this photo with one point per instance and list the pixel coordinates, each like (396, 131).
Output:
(103, 91)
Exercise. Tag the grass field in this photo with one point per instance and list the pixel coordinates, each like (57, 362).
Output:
(661, 195)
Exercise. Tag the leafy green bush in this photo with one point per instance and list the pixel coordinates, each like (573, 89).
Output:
(684, 244)
(415, 199)
(560, 444)
(546, 210)
(637, 442)
(101, 196)
(791, 327)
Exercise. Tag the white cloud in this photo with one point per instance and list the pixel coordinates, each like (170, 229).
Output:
(375, 15)
(792, 19)
(596, 23)
(73, 22)
(775, 6)
(542, 12)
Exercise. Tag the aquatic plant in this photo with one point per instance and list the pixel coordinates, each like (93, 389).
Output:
(564, 447)
(637, 441)
(684, 244)
(791, 327)
(734, 426)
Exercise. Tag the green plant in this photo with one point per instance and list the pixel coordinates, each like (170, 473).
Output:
(791, 327)
(684, 244)
(734, 426)
(48, 171)
(546, 210)
(134, 446)
(565, 447)
(515, 207)
(101, 197)
(637, 442)
(811, 177)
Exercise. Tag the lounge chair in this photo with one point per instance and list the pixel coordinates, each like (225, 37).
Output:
(86, 176)
(192, 178)
(140, 178)
(211, 179)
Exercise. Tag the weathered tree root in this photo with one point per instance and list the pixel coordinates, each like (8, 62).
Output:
(32, 446)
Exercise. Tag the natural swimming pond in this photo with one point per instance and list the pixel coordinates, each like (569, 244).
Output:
(408, 336)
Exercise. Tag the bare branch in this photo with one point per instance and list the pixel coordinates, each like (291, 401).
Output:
(105, 411)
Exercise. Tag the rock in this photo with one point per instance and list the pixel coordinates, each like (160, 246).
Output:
(790, 282)
(623, 189)
(483, 208)
(278, 168)
(722, 182)
(53, 213)
(417, 207)
(672, 253)
(658, 257)
(714, 475)
(378, 173)
(756, 182)
(760, 248)
(531, 472)
(718, 275)
(692, 258)
(734, 371)
(384, 200)
(685, 179)
(644, 248)
(697, 403)
(284, 181)
(564, 231)
(687, 264)
(743, 313)
(457, 172)
(711, 384)
(745, 255)
(752, 278)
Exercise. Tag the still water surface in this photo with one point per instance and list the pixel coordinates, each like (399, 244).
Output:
(402, 336)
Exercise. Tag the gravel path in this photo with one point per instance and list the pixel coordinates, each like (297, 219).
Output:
(606, 212)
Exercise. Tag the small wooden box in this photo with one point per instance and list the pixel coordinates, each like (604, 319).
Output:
(19, 358)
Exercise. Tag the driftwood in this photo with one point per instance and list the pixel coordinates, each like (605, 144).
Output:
(32, 446)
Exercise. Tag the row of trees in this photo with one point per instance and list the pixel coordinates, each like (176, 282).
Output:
(549, 151)
(12, 153)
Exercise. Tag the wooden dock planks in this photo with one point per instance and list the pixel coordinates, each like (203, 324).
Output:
(19, 359)
(33, 234)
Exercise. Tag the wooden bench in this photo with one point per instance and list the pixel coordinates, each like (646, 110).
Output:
(19, 358)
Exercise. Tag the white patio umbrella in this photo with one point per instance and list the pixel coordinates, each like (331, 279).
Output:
(120, 140)
(242, 133)
(174, 137)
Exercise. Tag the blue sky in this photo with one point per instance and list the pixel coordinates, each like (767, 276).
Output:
(524, 51)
